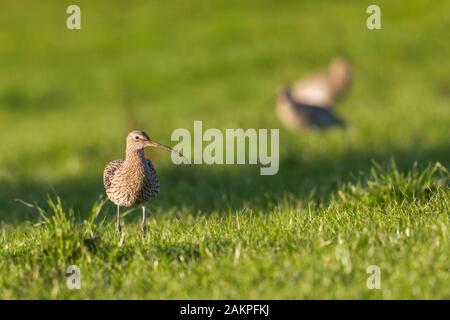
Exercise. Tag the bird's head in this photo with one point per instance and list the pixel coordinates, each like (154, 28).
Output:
(340, 71)
(138, 140)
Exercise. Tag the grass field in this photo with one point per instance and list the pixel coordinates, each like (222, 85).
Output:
(376, 193)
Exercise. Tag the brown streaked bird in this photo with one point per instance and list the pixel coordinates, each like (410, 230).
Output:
(133, 181)
(325, 88)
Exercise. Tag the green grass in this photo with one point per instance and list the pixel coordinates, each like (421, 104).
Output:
(296, 249)
(68, 98)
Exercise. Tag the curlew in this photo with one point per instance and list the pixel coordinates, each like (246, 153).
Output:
(310, 100)
(133, 181)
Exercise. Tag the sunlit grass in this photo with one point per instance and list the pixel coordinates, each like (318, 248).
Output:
(301, 249)
(68, 98)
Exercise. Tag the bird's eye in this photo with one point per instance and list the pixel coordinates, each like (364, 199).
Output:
(136, 138)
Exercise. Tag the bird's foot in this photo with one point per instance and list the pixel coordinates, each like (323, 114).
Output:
(119, 229)
(144, 230)
(121, 239)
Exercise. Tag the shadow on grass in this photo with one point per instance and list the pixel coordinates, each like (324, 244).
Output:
(203, 189)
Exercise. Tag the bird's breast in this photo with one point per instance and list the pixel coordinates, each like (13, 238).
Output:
(133, 185)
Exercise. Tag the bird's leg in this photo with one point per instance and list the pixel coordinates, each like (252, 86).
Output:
(118, 225)
(144, 222)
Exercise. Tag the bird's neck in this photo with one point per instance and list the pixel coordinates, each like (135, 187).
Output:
(339, 80)
(134, 156)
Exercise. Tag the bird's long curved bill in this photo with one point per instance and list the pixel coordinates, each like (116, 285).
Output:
(155, 144)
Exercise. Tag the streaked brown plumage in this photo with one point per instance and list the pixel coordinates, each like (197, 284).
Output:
(133, 181)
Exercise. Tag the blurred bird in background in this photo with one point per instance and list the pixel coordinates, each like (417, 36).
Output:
(310, 100)
(296, 115)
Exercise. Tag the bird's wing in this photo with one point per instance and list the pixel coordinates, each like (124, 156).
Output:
(314, 115)
(109, 172)
(314, 90)
(324, 118)
(153, 175)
